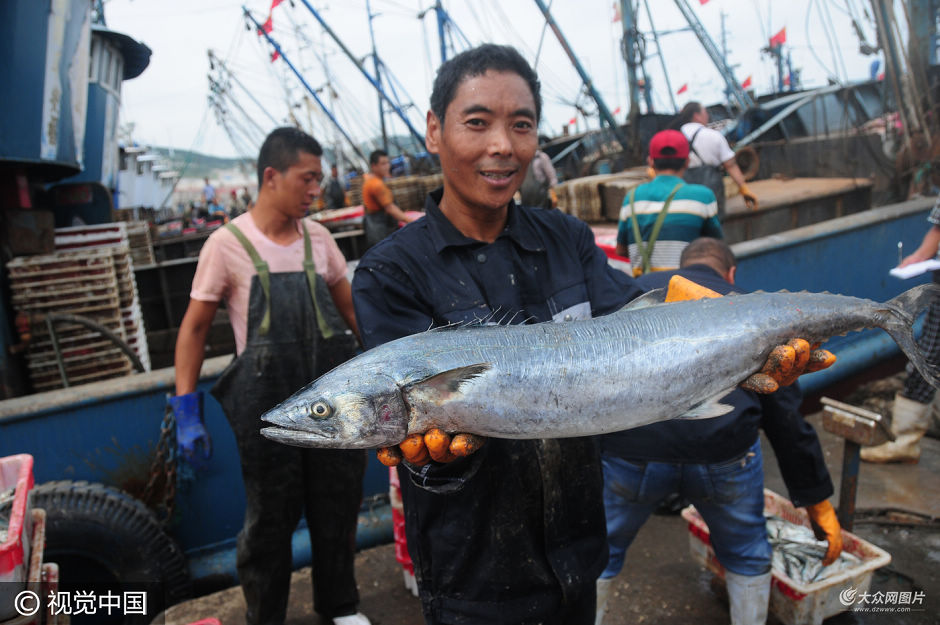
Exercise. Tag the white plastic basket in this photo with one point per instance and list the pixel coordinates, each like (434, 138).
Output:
(793, 602)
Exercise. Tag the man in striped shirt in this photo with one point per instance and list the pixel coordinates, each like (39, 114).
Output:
(659, 218)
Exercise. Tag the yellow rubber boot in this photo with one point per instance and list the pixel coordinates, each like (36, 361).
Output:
(908, 424)
(603, 594)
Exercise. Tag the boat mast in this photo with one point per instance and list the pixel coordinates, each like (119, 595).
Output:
(378, 77)
(397, 109)
(740, 96)
(303, 82)
(659, 52)
(628, 20)
(441, 22)
(588, 83)
(445, 29)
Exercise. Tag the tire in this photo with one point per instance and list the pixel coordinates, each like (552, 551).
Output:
(104, 539)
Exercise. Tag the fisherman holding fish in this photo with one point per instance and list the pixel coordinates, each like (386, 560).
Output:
(512, 531)
(284, 283)
(717, 465)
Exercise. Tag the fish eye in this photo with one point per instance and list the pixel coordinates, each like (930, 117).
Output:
(321, 410)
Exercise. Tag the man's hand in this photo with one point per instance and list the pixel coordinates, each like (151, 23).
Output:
(435, 444)
(785, 364)
(826, 527)
(750, 200)
(191, 434)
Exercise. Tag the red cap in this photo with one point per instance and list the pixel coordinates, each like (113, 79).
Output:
(669, 144)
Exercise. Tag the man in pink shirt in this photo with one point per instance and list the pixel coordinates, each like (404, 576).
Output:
(284, 283)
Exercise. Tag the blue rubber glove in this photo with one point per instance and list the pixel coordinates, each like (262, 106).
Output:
(191, 434)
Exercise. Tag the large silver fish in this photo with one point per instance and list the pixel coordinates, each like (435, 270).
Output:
(646, 363)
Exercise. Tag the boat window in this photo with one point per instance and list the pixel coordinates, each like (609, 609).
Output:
(95, 60)
(118, 73)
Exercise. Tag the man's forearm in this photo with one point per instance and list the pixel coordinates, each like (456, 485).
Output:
(396, 213)
(191, 344)
(735, 172)
(189, 355)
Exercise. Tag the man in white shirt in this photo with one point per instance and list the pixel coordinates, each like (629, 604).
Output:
(710, 152)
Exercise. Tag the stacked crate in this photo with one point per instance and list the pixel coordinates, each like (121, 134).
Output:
(138, 238)
(598, 198)
(115, 238)
(409, 191)
(82, 283)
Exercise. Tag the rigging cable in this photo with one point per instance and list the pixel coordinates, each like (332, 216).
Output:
(833, 40)
(809, 42)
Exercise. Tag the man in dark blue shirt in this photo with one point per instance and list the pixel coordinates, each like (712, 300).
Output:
(717, 465)
(514, 533)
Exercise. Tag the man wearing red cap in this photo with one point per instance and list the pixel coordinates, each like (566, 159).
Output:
(659, 218)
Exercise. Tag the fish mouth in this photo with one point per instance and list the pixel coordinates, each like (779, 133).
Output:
(298, 438)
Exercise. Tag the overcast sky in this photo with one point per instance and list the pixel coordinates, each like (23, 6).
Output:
(167, 104)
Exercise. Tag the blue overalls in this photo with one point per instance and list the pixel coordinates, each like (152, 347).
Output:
(295, 334)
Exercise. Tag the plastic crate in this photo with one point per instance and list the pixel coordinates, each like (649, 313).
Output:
(16, 474)
(793, 602)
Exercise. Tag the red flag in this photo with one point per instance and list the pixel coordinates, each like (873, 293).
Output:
(779, 39)
(616, 12)
(267, 27)
(683, 89)
(275, 56)
(746, 83)
(702, 1)
(274, 3)
(572, 121)
(616, 110)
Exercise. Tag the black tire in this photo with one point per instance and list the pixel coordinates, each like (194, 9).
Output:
(103, 538)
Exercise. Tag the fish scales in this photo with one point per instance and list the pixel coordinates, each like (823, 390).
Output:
(552, 380)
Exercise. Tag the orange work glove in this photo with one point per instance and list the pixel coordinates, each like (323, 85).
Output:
(822, 516)
(435, 444)
(750, 200)
(786, 362)
(553, 197)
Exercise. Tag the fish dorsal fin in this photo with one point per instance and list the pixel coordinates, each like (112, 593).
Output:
(443, 386)
(650, 298)
(711, 407)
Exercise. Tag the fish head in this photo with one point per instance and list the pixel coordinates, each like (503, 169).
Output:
(348, 408)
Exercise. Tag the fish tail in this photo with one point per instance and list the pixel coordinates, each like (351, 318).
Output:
(899, 323)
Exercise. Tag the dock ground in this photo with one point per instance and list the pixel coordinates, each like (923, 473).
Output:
(661, 583)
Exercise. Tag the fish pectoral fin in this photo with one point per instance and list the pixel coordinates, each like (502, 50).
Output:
(443, 386)
(650, 298)
(709, 408)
